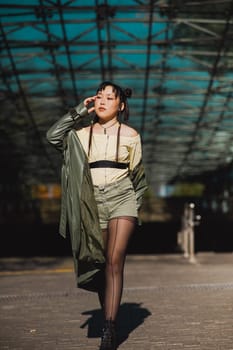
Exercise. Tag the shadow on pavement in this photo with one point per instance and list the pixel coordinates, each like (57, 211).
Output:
(131, 316)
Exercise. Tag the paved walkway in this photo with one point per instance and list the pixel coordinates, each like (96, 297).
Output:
(168, 304)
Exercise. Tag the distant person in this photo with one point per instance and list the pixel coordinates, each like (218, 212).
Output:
(103, 182)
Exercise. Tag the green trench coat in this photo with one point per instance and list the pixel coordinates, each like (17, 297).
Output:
(79, 214)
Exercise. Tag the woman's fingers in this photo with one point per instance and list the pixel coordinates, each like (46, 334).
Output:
(88, 100)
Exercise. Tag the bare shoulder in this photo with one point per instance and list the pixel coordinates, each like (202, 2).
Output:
(128, 131)
(86, 129)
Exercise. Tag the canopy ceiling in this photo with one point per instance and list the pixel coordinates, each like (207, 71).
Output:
(176, 55)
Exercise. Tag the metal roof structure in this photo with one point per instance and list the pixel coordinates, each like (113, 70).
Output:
(176, 55)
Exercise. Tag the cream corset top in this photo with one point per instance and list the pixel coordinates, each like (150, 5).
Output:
(103, 147)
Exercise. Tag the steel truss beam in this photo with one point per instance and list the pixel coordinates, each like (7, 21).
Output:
(177, 56)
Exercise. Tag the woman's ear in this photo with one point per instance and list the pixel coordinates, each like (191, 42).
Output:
(122, 106)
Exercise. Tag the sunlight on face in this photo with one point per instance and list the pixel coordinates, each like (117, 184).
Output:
(107, 104)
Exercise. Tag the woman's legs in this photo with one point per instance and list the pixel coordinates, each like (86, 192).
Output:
(116, 239)
(119, 232)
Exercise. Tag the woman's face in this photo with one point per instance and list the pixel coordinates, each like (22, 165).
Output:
(107, 104)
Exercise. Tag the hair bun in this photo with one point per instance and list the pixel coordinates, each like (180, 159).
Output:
(128, 92)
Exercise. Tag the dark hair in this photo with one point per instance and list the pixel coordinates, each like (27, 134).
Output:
(123, 94)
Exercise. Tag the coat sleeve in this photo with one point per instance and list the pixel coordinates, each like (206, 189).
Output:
(138, 179)
(57, 132)
(136, 169)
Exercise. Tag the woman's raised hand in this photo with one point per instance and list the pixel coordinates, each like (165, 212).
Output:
(87, 103)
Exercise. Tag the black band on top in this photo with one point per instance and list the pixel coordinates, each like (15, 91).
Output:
(108, 164)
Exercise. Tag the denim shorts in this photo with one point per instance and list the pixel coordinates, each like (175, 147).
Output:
(114, 200)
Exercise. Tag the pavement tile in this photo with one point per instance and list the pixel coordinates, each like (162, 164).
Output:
(168, 303)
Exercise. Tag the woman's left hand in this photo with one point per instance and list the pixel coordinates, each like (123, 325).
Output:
(89, 100)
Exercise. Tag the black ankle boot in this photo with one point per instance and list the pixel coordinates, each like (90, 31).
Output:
(108, 339)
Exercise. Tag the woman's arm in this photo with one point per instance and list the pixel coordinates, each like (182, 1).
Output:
(56, 134)
(137, 171)
(138, 179)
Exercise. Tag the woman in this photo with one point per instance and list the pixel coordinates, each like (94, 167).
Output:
(103, 182)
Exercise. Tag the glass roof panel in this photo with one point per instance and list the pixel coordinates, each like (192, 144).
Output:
(176, 55)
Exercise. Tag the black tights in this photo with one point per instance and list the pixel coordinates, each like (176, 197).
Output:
(116, 238)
